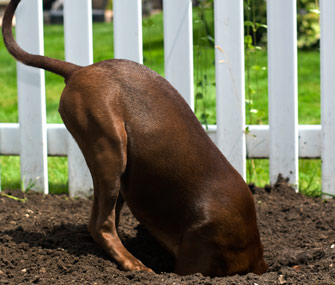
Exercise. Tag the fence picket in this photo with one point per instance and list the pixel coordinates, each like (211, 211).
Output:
(282, 76)
(178, 47)
(128, 41)
(230, 94)
(79, 50)
(31, 99)
(327, 11)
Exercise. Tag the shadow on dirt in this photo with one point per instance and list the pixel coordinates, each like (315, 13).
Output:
(76, 240)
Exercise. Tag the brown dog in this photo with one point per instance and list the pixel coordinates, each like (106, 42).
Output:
(143, 144)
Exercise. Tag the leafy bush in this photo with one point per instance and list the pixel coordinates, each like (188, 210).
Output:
(307, 21)
(308, 24)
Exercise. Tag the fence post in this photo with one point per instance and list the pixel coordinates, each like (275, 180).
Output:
(31, 99)
(230, 93)
(128, 30)
(282, 76)
(178, 47)
(327, 11)
(79, 50)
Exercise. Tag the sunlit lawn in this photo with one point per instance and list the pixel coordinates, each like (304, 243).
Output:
(309, 95)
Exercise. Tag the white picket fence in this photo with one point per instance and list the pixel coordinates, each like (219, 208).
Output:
(283, 141)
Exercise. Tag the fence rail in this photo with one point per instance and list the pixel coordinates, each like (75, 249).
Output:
(283, 141)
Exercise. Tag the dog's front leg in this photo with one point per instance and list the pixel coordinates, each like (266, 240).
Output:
(102, 226)
(101, 135)
(107, 161)
(119, 204)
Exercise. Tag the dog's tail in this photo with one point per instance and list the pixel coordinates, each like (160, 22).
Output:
(59, 67)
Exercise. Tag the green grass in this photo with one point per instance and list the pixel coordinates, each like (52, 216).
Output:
(308, 84)
(10, 172)
(309, 174)
(57, 173)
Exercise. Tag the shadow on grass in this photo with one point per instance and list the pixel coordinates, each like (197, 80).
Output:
(58, 188)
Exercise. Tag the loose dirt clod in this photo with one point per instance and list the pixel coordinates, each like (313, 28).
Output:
(52, 245)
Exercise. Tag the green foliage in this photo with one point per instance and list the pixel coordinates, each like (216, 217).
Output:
(153, 43)
(255, 20)
(253, 70)
(110, 5)
(310, 177)
(307, 21)
(149, 24)
(308, 24)
(253, 67)
(27, 187)
(203, 41)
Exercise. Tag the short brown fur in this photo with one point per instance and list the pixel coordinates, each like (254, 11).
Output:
(143, 145)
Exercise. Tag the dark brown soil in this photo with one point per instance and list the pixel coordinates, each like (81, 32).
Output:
(45, 241)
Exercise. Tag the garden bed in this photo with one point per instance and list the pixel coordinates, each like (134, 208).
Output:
(45, 241)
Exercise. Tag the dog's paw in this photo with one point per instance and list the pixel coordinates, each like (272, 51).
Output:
(136, 265)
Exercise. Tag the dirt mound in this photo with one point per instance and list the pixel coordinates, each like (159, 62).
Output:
(45, 241)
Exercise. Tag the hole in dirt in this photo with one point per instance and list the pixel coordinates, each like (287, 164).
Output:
(149, 251)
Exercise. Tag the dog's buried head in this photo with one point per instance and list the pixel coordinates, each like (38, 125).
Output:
(143, 145)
